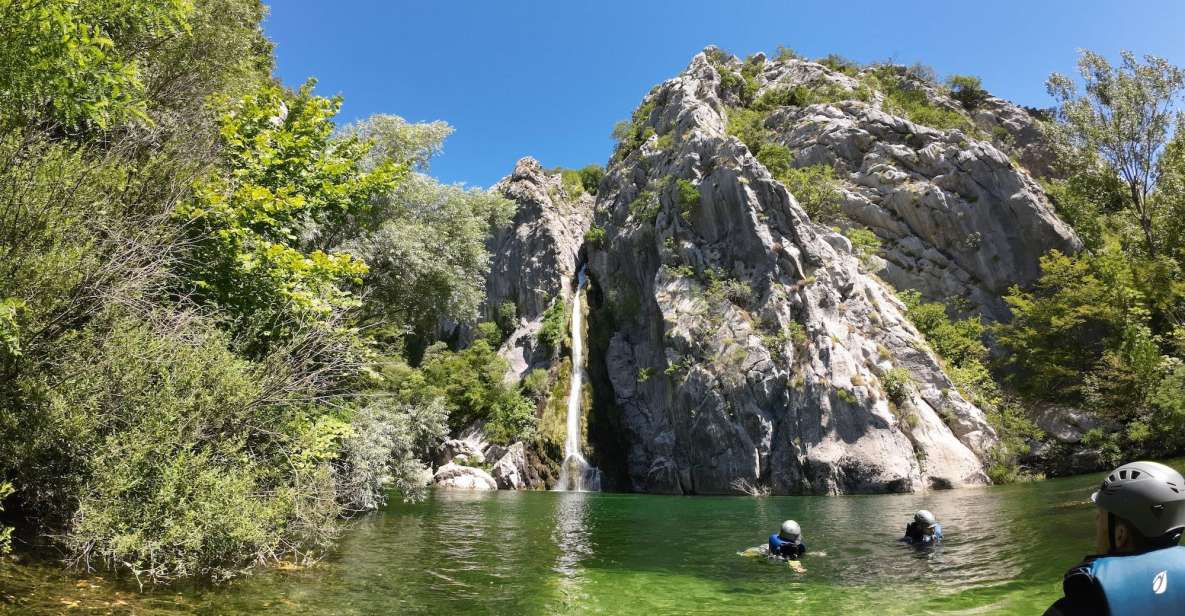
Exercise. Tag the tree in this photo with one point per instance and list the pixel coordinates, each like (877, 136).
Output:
(281, 176)
(1124, 115)
(66, 62)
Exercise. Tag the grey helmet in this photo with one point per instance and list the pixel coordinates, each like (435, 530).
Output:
(1149, 495)
(791, 531)
(925, 519)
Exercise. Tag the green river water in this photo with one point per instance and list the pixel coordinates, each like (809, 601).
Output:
(1006, 548)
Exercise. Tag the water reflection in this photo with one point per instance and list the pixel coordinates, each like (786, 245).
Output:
(572, 537)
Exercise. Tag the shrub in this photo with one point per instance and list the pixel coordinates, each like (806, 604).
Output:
(897, 383)
(184, 459)
(553, 333)
(5, 531)
(865, 243)
(967, 90)
(841, 64)
(748, 125)
(632, 134)
(572, 181)
(536, 384)
(775, 157)
(590, 178)
(786, 53)
(507, 318)
(645, 207)
(687, 196)
(595, 236)
(816, 190)
(913, 104)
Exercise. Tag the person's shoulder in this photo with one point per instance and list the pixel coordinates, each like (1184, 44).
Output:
(1082, 594)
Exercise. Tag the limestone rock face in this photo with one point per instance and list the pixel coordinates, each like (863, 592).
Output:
(533, 261)
(747, 345)
(511, 471)
(957, 218)
(459, 477)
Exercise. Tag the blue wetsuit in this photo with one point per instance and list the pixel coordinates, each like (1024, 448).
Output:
(786, 549)
(915, 536)
(1148, 583)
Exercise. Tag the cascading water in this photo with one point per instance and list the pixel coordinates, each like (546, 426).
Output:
(576, 475)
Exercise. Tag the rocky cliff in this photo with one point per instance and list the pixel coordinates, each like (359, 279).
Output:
(534, 259)
(746, 346)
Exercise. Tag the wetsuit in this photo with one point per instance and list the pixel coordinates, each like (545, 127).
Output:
(786, 549)
(915, 535)
(1148, 583)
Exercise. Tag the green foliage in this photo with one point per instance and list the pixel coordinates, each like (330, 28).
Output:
(776, 158)
(632, 134)
(1125, 118)
(595, 236)
(912, 103)
(748, 125)
(281, 172)
(536, 384)
(1060, 330)
(687, 196)
(866, 244)
(968, 90)
(816, 190)
(506, 317)
(573, 182)
(6, 490)
(786, 53)
(841, 64)
(846, 395)
(590, 178)
(897, 383)
(553, 333)
(73, 63)
(644, 374)
(472, 384)
(645, 207)
(183, 459)
(958, 342)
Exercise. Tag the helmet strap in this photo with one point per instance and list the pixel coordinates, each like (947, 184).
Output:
(1110, 533)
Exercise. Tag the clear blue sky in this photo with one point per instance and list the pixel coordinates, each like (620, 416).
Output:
(549, 79)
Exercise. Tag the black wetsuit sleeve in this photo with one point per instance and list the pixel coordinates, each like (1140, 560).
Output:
(1083, 595)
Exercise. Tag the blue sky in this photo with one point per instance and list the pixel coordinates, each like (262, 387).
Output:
(549, 79)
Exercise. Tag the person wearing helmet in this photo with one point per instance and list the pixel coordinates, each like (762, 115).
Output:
(923, 530)
(787, 542)
(1140, 569)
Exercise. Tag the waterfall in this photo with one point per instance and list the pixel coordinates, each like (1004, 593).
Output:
(576, 474)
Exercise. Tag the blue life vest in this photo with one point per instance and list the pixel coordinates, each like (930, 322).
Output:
(789, 549)
(1148, 583)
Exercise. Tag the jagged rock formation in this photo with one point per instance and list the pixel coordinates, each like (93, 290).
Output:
(957, 217)
(747, 344)
(534, 259)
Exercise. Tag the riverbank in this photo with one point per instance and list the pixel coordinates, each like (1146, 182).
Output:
(545, 553)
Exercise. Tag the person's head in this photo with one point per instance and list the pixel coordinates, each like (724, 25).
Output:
(790, 531)
(1141, 507)
(925, 521)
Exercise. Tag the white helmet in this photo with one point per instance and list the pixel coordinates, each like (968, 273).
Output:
(925, 519)
(791, 531)
(1149, 495)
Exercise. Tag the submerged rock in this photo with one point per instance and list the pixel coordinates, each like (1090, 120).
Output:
(459, 477)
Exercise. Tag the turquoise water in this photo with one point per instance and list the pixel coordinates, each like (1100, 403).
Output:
(1006, 548)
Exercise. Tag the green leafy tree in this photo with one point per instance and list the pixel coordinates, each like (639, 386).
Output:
(65, 62)
(1124, 115)
(281, 175)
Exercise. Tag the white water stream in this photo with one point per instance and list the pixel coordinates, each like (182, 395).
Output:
(576, 475)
